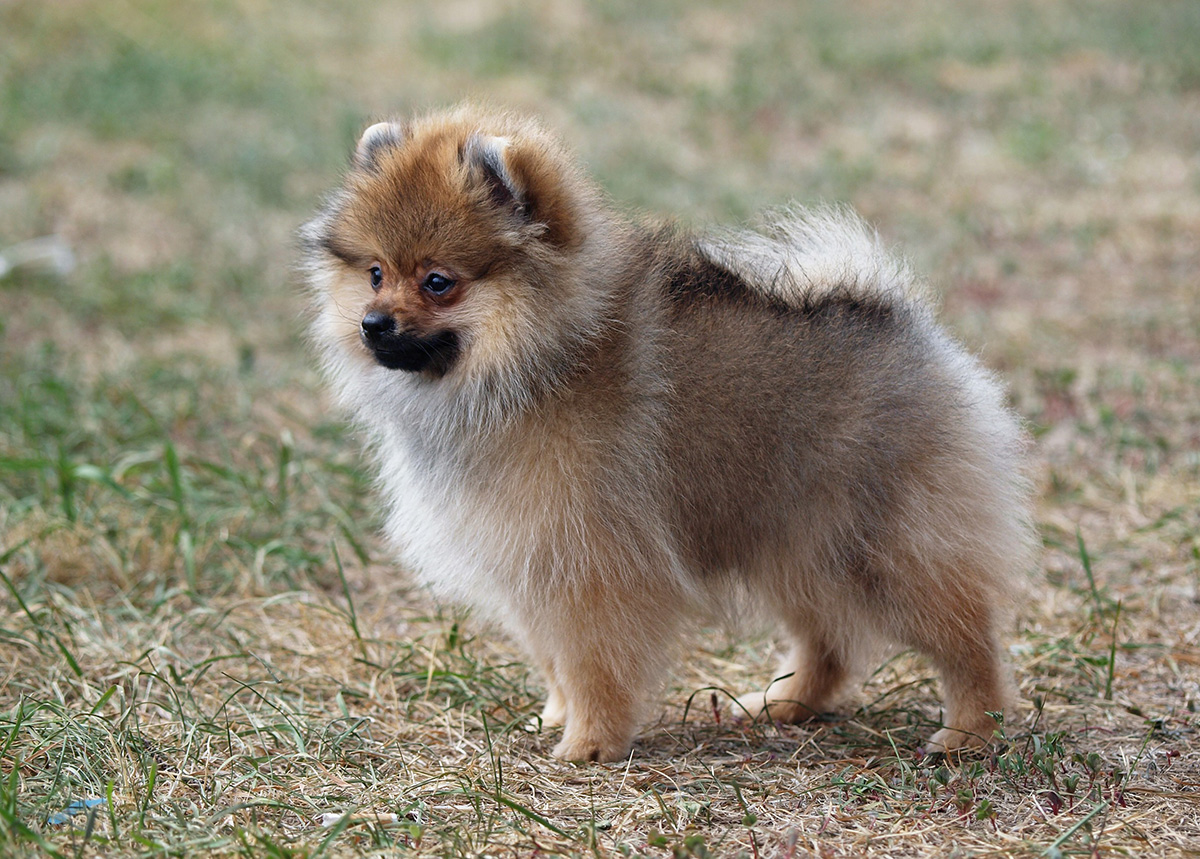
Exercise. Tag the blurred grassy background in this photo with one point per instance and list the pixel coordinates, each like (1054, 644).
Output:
(1037, 160)
(164, 444)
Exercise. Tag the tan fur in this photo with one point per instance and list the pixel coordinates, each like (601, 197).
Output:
(602, 432)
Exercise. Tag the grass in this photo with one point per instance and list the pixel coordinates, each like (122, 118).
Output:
(198, 625)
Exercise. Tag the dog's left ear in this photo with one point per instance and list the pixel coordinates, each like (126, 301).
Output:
(526, 182)
(485, 157)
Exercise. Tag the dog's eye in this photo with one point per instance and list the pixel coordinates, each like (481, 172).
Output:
(437, 283)
(376, 276)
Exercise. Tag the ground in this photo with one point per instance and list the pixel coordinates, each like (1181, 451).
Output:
(199, 627)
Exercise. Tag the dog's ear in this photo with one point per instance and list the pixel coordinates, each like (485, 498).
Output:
(377, 138)
(484, 156)
(527, 182)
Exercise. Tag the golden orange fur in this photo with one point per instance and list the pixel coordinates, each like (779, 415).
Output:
(597, 432)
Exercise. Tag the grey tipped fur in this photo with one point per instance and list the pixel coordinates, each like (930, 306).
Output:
(644, 427)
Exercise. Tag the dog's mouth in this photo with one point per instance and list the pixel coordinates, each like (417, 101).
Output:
(435, 353)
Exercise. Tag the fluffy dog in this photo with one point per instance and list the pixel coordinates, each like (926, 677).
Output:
(596, 431)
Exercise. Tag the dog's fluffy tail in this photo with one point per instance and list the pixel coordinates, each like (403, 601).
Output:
(799, 255)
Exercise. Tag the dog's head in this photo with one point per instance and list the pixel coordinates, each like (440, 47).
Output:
(446, 243)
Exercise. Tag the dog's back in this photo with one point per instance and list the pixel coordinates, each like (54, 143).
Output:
(840, 460)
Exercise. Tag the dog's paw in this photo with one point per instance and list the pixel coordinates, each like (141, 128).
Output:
(959, 740)
(591, 750)
(749, 707)
(761, 707)
(554, 714)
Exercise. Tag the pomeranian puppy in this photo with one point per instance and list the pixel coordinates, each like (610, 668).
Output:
(598, 432)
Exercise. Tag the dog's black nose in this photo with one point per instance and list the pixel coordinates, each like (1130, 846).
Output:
(377, 323)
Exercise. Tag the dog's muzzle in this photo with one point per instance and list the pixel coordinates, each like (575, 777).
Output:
(404, 350)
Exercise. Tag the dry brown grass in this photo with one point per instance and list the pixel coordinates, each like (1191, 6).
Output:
(195, 621)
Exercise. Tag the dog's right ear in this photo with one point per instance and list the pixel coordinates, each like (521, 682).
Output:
(377, 138)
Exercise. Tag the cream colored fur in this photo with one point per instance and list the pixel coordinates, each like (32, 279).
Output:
(642, 430)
